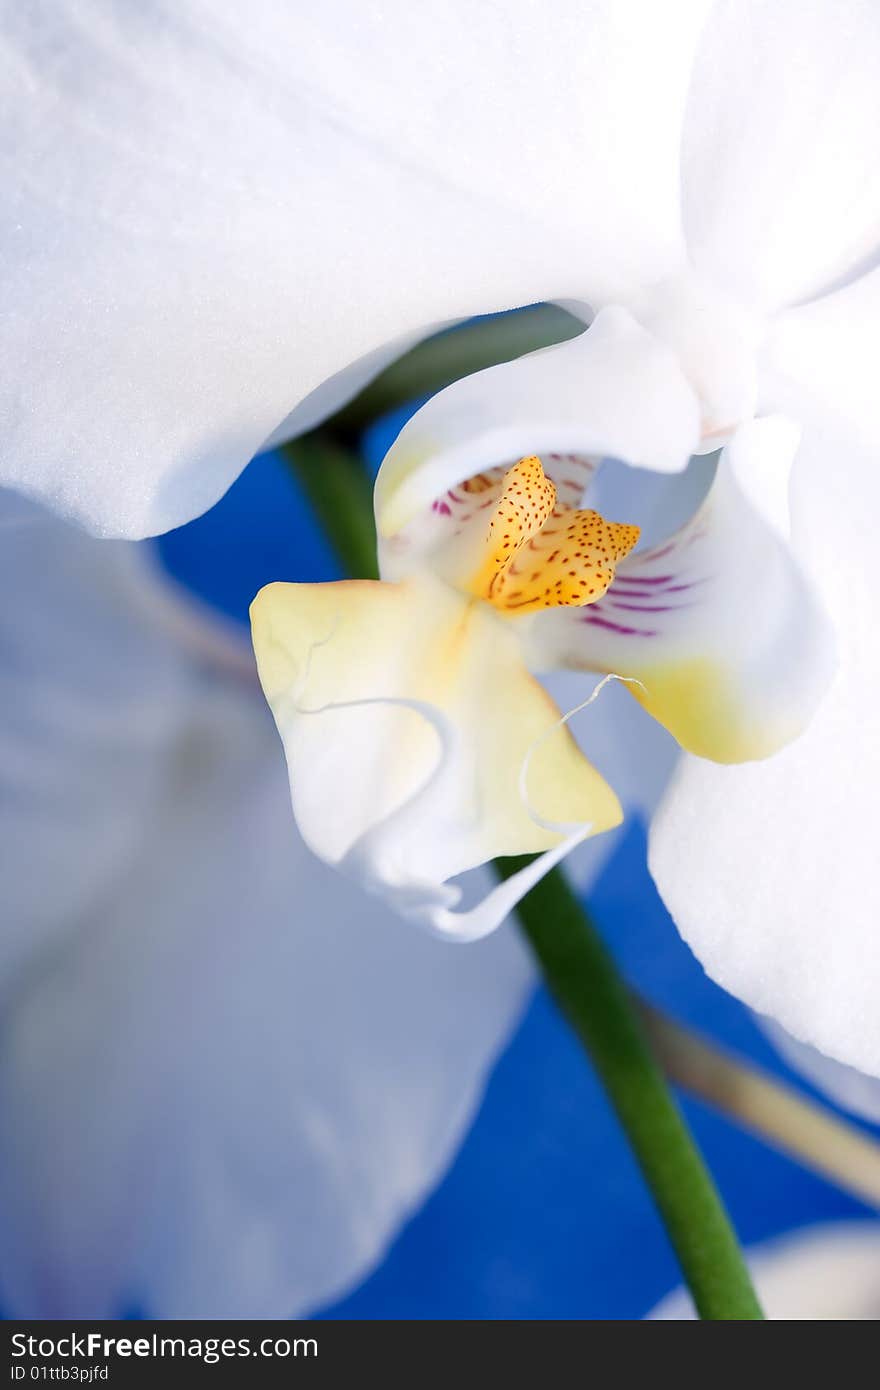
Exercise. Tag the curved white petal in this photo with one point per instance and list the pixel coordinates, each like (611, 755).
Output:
(614, 390)
(213, 209)
(781, 175)
(852, 1089)
(770, 869)
(227, 1076)
(717, 628)
(828, 1273)
(419, 746)
(715, 338)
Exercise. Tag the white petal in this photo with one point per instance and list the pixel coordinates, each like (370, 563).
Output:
(828, 1273)
(212, 210)
(715, 338)
(828, 351)
(770, 869)
(781, 176)
(415, 700)
(227, 1076)
(718, 628)
(613, 390)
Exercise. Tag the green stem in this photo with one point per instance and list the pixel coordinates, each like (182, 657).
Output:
(581, 975)
(588, 988)
(337, 488)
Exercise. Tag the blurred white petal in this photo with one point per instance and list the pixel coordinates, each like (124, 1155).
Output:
(93, 697)
(212, 210)
(827, 1273)
(227, 1076)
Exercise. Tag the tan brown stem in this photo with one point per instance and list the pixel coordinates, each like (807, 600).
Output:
(777, 1112)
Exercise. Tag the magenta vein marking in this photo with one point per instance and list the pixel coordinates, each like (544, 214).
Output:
(630, 578)
(650, 607)
(596, 621)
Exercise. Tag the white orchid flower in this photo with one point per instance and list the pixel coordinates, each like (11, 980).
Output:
(496, 568)
(824, 1273)
(227, 1077)
(415, 696)
(228, 221)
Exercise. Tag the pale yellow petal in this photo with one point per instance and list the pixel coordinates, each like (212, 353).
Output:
(412, 726)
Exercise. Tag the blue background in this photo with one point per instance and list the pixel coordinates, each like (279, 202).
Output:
(543, 1214)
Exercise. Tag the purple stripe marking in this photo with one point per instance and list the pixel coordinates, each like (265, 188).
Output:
(630, 578)
(650, 607)
(595, 621)
(619, 590)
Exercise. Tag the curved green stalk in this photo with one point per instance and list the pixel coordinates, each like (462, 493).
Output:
(588, 988)
(579, 972)
(338, 490)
